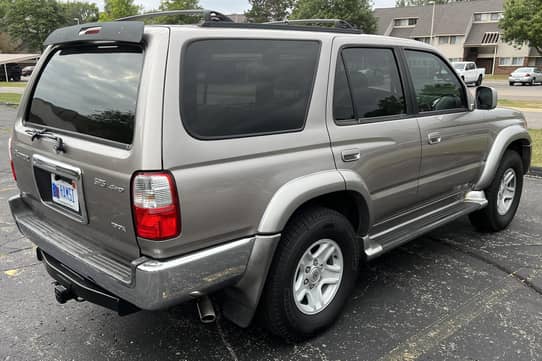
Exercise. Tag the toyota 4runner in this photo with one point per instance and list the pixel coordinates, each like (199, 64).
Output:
(259, 163)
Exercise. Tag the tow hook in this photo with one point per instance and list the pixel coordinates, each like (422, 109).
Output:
(63, 294)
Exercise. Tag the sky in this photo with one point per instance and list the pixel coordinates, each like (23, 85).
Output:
(226, 6)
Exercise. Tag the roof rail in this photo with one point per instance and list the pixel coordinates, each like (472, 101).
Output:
(279, 26)
(337, 23)
(207, 15)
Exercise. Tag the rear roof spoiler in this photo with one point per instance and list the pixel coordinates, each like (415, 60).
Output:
(121, 31)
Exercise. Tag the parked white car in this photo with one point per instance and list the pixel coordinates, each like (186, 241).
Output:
(524, 76)
(468, 71)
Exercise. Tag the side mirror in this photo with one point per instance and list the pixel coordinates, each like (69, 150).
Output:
(486, 98)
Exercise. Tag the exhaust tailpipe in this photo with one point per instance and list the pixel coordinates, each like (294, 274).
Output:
(206, 310)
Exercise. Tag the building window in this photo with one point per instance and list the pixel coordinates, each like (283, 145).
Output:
(453, 60)
(487, 17)
(405, 22)
(443, 39)
(423, 40)
(496, 16)
(453, 39)
(517, 61)
(505, 61)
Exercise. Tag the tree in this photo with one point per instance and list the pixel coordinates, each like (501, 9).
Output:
(114, 9)
(522, 23)
(30, 21)
(83, 11)
(356, 12)
(268, 10)
(167, 5)
(405, 3)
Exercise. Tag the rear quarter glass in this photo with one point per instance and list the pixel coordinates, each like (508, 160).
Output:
(89, 90)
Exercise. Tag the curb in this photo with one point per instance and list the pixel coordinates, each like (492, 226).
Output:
(535, 172)
(10, 104)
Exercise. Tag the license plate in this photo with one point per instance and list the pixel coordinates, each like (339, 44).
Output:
(64, 193)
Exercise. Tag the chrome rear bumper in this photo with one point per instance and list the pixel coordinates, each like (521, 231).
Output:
(146, 283)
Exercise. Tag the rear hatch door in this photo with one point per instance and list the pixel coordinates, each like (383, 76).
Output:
(81, 134)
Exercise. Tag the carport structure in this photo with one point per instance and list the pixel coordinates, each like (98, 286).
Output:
(6, 59)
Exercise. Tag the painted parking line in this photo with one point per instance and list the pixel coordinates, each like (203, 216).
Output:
(433, 335)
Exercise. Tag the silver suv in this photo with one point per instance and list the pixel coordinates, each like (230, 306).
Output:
(258, 163)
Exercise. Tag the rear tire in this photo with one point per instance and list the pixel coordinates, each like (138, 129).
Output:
(479, 81)
(503, 195)
(299, 269)
(511, 83)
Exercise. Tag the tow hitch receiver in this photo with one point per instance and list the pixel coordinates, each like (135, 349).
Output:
(62, 293)
(71, 286)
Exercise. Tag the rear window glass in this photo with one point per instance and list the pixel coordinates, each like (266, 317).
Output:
(92, 91)
(234, 88)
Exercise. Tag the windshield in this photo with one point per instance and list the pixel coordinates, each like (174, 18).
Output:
(523, 70)
(91, 90)
(459, 66)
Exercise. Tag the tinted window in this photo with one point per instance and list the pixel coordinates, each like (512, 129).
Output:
(245, 87)
(342, 99)
(91, 91)
(436, 85)
(374, 81)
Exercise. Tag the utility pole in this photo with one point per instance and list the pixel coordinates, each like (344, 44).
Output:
(432, 23)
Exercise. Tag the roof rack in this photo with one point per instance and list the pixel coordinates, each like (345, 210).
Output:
(280, 26)
(207, 15)
(211, 18)
(337, 23)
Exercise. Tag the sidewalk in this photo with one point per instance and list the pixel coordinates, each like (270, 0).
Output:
(7, 89)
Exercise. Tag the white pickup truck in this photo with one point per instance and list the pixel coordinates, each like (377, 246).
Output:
(468, 71)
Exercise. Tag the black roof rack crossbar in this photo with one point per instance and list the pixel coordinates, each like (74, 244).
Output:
(282, 26)
(207, 15)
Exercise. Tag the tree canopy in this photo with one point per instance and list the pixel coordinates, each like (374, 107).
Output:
(356, 12)
(82, 11)
(268, 10)
(30, 21)
(522, 23)
(404, 3)
(178, 5)
(114, 9)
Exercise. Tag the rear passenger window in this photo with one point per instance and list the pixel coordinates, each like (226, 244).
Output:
(233, 88)
(436, 85)
(367, 85)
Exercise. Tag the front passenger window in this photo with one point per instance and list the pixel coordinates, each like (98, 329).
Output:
(436, 85)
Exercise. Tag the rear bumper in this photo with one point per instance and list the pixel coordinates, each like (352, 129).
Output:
(146, 283)
(520, 80)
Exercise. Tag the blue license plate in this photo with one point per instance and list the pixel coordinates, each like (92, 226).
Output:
(64, 193)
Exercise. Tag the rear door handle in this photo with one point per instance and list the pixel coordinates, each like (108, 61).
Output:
(434, 138)
(350, 155)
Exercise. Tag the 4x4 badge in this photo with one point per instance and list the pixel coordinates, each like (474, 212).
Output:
(102, 183)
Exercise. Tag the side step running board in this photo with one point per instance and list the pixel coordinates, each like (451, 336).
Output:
(375, 245)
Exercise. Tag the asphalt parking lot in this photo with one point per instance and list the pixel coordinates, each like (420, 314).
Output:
(454, 294)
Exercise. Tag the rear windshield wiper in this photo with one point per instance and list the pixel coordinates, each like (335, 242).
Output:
(45, 133)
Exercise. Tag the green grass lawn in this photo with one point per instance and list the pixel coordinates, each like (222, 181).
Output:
(13, 84)
(13, 98)
(536, 134)
(497, 77)
(532, 104)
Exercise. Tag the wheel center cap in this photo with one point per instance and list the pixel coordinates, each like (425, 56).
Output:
(315, 275)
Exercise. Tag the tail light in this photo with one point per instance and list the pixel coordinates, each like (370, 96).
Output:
(527, 74)
(155, 205)
(11, 160)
